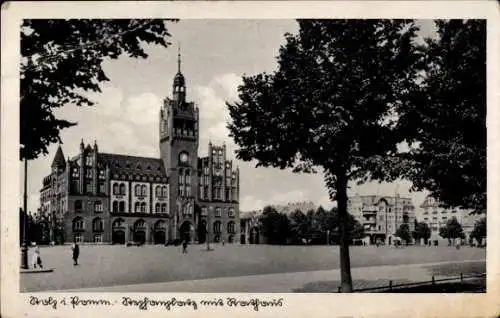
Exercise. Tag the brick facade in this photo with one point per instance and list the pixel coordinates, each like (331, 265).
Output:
(98, 197)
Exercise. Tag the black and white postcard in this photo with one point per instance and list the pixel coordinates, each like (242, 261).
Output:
(250, 158)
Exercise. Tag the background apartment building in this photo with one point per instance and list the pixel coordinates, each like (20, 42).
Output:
(436, 216)
(381, 216)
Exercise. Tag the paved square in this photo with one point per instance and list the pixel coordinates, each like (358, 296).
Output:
(118, 265)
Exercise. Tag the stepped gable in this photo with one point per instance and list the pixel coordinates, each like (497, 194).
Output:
(134, 166)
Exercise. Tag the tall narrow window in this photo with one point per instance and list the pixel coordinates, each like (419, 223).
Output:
(115, 206)
(143, 207)
(181, 176)
(137, 206)
(122, 206)
(157, 207)
(122, 188)
(115, 188)
(143, 190)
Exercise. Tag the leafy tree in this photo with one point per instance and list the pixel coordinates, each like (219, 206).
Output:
(422, 231)
(299, 226)
(452, 230)
(403, 232)
(446, 123)
(479, 231)
(62, 59)
(326, 107)
(275, 226)
(269, 215)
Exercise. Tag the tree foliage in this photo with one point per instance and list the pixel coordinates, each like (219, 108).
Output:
(62, 60)
(447, 120)
(422, 231)
(275, 226)
(479, 231)
(403, 232)
(327, 106)
(452, 230)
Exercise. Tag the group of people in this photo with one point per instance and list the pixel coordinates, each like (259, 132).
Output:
(37, 258)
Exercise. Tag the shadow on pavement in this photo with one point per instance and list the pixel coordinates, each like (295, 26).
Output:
(332, 286)
(472, 286)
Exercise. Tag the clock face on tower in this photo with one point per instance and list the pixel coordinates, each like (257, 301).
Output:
(184, 157)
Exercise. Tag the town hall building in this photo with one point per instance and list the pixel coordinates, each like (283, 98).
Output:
(97, 197)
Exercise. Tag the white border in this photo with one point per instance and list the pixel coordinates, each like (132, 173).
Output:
(317, 305)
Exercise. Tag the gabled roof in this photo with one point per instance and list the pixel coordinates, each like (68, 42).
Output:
(132, 165)
(58, 159)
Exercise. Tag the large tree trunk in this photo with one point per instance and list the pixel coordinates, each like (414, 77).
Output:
(345, 262)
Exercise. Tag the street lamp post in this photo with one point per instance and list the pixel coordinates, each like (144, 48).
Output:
(24, 247)
(208, 228)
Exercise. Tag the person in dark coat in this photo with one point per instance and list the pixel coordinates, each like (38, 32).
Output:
(76, 253)
(184, 246)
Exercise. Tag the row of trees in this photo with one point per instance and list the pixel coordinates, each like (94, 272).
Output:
(452, 230)
(347, 93)
(313, 227)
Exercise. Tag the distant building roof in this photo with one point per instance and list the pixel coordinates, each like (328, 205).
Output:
(132, 165)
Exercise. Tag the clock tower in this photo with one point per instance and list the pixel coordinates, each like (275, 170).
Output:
(179, 123)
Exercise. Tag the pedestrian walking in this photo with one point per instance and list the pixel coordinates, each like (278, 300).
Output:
(37, 260)
(222, 242)
(76, 252)
(184, 247)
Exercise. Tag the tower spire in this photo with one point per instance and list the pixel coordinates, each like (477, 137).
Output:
(179, 58)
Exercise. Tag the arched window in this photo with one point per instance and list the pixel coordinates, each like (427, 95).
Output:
(97, 206)
(231, 213)
(164, 208)
(115, 206)
(230, 227)
(115, 188)
(139, 223)
(137, 207)
(137, 190)
(188, 177)
(122, 206)
(218, 212)
(217, 226)
(118, 223)
(160, 225)
(143, 190)
(164, 192)
(97, 225)
(122, 188)
(158, 192)
(78, 224)
(157, 206)
(143, 207)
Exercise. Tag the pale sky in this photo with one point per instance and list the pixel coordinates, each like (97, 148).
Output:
(215, 54)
